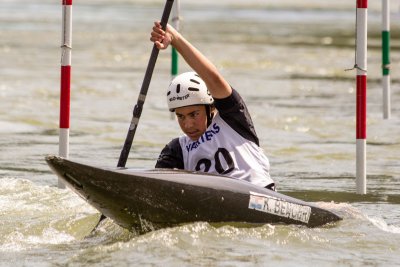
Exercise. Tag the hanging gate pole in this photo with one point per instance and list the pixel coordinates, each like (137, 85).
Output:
(386, 57)
(66, 39)
(361, 63)
(174, 53)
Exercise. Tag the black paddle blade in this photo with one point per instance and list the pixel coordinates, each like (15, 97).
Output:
(137, 111)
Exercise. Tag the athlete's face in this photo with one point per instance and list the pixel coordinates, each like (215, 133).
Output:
(192, 120)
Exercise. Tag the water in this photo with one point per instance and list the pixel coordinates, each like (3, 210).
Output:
(290, 72)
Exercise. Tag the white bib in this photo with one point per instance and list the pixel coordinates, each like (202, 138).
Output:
(221, 150)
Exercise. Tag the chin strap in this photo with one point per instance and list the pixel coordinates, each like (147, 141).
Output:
(210, 114)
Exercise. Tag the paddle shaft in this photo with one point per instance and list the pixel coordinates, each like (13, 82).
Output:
(137, 111)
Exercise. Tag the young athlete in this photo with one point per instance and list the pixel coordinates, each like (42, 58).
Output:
(219, 134)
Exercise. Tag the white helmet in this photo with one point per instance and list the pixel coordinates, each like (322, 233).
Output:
(188, 89)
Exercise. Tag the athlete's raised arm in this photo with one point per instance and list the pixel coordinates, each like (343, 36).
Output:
(216, 84)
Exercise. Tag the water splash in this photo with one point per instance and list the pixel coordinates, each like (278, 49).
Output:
(33, 216)
(383, 225)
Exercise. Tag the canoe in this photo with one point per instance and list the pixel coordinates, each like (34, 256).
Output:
(145, 200)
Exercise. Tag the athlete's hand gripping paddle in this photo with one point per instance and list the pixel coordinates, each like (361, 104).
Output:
(137, 111)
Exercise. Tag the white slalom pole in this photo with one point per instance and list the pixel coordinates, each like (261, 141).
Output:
(361, 63)
(66, 41)
(386, 58)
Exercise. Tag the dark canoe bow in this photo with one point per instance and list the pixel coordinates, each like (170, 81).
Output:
(144, 200)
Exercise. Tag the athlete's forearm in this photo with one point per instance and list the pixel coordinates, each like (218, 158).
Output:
(217, 85)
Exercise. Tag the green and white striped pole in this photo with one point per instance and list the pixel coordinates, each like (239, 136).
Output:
(386, 57)
(174, 53)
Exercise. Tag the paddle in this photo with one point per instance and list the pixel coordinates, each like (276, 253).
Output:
(137, 111)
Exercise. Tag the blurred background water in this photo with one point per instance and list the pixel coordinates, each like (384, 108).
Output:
(287, 59)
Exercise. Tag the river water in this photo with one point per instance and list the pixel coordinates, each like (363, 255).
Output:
(287, 59)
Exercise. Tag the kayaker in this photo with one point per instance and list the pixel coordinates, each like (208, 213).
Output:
(219, 135)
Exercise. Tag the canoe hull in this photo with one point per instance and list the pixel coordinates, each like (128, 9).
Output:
(144, 200)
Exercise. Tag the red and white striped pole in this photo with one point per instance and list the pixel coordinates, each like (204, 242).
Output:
(361, 64)
(66, 41)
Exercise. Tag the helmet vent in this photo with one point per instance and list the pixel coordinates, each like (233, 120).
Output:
(194, 81)
(187, 89)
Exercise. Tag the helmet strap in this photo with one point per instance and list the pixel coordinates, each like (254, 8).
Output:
(209, 114)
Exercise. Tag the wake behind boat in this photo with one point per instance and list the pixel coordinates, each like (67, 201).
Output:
(143, 200)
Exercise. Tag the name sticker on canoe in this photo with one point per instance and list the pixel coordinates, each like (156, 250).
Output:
(279, 207)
